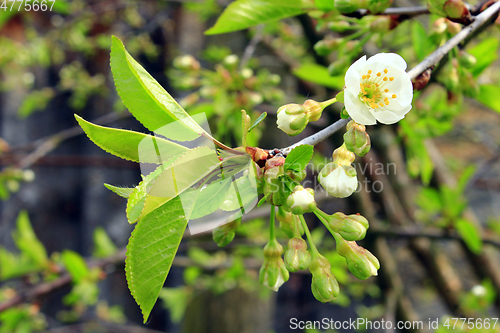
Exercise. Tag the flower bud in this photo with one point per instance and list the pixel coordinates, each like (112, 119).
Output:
(439, 26)
(273, 272)
(286, 220)
(186, 62)
(231, 61)
(301, 201)
(378, 6)
(350, 227)
(456, 9)
(338, 67)
(324, 286)
(274, 189)
(296, 256)
(339, 26)
(328, 45)
(292, 119)
(467, 60)
(224, 234)
(449, 77)
(338, 180)
(356, 139)
(383, 23)
(297, 175)
(346, 6)
(343, 156)
(453, 28)
(360, 261)
(313, 109)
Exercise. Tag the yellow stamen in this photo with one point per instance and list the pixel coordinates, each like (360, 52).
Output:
(385, 78)
(369, 72)
(378, 74)
(381, 104)
(386, 90)
(373, 105)
(368, 76)
(385, 71)
(391, 79)
(363, 77)
(386, 102)
(394, 96)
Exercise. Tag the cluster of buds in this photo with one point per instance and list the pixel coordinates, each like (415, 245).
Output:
(360, 262)
(350, 227)
(301, 201)
(293, 118)
(273, 272)
(225, 233)
(374, 6)
(356, 139)
(338, 178)
(324, 286)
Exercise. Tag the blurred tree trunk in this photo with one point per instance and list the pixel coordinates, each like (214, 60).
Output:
(236, 310)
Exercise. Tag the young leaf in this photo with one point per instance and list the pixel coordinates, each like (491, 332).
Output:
(206, 200)
(151, 251)
(147, 100)
(486, 53)
(123, 192)
(258, 121)
(488, 96)
(103, 245)
(27, 242)
(421, 43)
(130, 145)
(319, 74)
(298, 158)
(470, 235)
(75, 264)
(243, 14)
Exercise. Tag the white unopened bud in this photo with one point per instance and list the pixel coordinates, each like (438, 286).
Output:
(301, 201)
(338, 180)
(292, 119)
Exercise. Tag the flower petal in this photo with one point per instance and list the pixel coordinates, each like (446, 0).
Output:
(388, 59)
(388, 117)
(353, 76)
(358, 111)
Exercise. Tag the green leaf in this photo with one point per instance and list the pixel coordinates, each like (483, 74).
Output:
(27, 242)
(171, 181)
(12, 266)
(429, 200)
(324, 5)
(486, 53)
(130, 145)
(242, 14)
(75, 264)
(123, 192)
(241, 193)
(299, 157)
(148, 102)
(319, 74)
(488, 95)
(258, 121)
(103, 245)
(421, 43)
(206, 200)
(470, 234)
(176, 301)
(151, 251)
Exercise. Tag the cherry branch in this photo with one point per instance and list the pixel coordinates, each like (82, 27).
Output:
(432, 60)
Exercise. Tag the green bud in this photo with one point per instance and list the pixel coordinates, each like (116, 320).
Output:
(301, 201)
(324, 286)
(346, 6)
(274, 189)
(273, 272)
(297, 175)
(356, 139)
(343, 156)
(224, 234)
(351, 228)
(313, 109)
(286, 220)
(296, 256)
(360, 261)
(338, 67)
(436, 7)
(292, 119)
(231, 61)
(186, 62)
(339, 26)
(378, 6)
(467, 60)
(455, 9)
(328, 45)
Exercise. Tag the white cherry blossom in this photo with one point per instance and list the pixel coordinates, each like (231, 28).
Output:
(378, 89)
